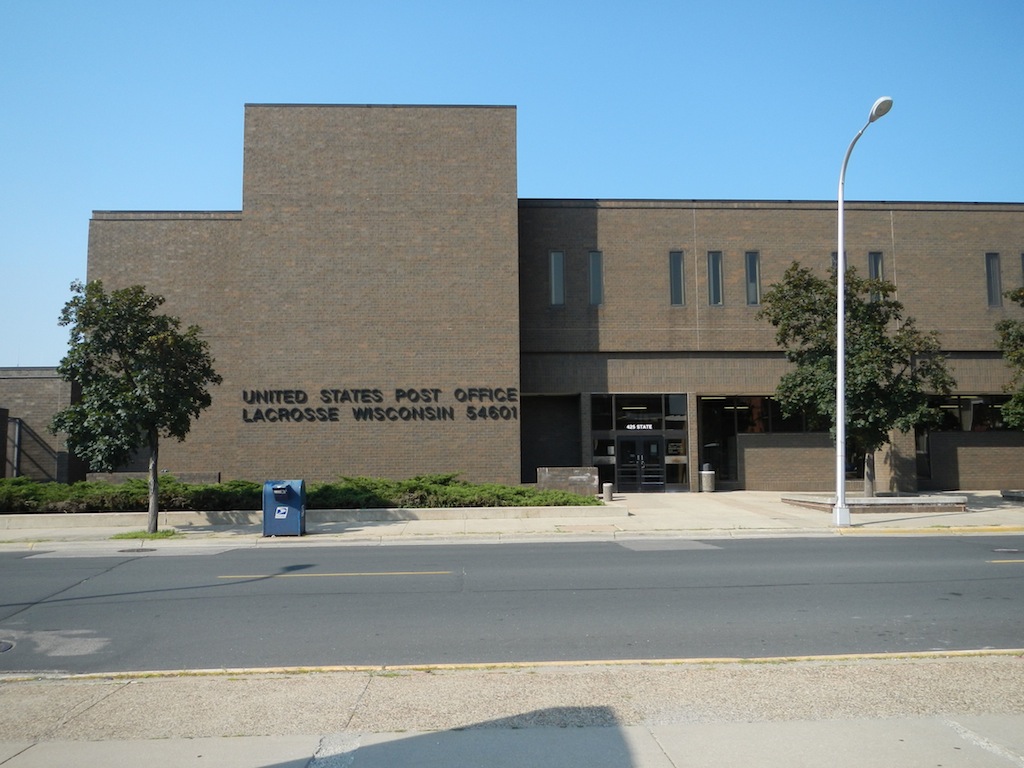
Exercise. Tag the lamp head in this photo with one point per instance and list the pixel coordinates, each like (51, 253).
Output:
(880, 108)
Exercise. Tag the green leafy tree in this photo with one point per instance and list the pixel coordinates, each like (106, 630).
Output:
(891, 365)
(1011, 344)
(141, 378)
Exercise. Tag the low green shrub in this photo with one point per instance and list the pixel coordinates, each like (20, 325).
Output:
(227, 496)
(21, 494)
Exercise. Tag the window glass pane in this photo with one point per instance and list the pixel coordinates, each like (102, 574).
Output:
(986, 412)
(753, 277)
(718, 435)
(970, 413)
(638, 412)
(675, 411)
(752, 414)
(876, 270)
(557, 277)
(596, 277)
(780, 423)
(675, 278)
(993, 280)
(676, 405)
(715, 278)
(601, 412)
(676, 447)
(876, 267)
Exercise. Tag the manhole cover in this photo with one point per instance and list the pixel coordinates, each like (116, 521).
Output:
(137, 549)
(5, 646)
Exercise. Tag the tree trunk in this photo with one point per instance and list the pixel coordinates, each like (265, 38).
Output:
(154, 482)
(869, 474)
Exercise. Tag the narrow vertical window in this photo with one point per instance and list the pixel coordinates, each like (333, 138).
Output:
(557, 271)
(676, 279)
(596, 278)
(715, 298)
(876, 266)
(753, 259)
(876, 270)
(993, 280)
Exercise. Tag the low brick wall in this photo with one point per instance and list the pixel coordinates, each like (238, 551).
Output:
(581, 480)
(786, 461)
(973, 461)
(882, 504)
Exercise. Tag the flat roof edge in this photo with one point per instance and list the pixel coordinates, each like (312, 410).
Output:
(178, 215)
(380, 106)
(554, 202)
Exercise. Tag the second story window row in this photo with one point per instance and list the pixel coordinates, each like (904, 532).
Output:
(715, 274)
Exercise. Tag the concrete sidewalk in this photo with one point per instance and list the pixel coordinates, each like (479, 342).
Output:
(954, 712)
(690, 515)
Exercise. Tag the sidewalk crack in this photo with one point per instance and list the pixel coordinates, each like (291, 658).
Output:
(661, 746)
(80, 709)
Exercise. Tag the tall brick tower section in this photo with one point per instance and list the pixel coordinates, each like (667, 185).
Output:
(362, 308)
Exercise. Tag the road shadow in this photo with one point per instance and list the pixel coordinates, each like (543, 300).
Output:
(556, 737)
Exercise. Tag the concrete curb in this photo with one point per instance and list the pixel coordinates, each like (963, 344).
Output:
(881, 504)
(313, 516)
(518, 665)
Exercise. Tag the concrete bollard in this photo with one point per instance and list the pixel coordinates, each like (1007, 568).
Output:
(607, 490)
(707, 481)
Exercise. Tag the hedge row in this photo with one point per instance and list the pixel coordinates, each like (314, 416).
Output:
(21, 494)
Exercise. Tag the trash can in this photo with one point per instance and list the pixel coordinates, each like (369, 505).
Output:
(284, 508)
(707, 479)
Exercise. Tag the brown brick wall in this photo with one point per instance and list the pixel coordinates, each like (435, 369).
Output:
(702, 373)
(786, 462)
(194, 260)
(33, 396)
(376, 250)
(934, 253)
(976, 460)
(896, 464)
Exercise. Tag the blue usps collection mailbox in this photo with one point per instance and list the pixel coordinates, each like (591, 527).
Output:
(284, 508)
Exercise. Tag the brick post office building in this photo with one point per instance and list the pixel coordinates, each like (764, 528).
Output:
(385, 304)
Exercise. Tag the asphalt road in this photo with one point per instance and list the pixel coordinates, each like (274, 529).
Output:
(653, 599)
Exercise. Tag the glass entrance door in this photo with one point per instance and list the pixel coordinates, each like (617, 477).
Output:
(640, 463)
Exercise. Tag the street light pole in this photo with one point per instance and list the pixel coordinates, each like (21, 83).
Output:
(841, 512)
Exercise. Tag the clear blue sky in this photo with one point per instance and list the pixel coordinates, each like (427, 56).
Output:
(138, 105)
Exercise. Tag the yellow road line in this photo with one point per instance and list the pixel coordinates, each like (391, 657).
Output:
(336, 575)
(513, 665)
(1003, 562)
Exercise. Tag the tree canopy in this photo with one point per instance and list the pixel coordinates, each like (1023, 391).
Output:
(891, 365)
(1011, 344)
(140, 377)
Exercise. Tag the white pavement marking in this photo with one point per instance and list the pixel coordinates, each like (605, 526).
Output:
(982, 743)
